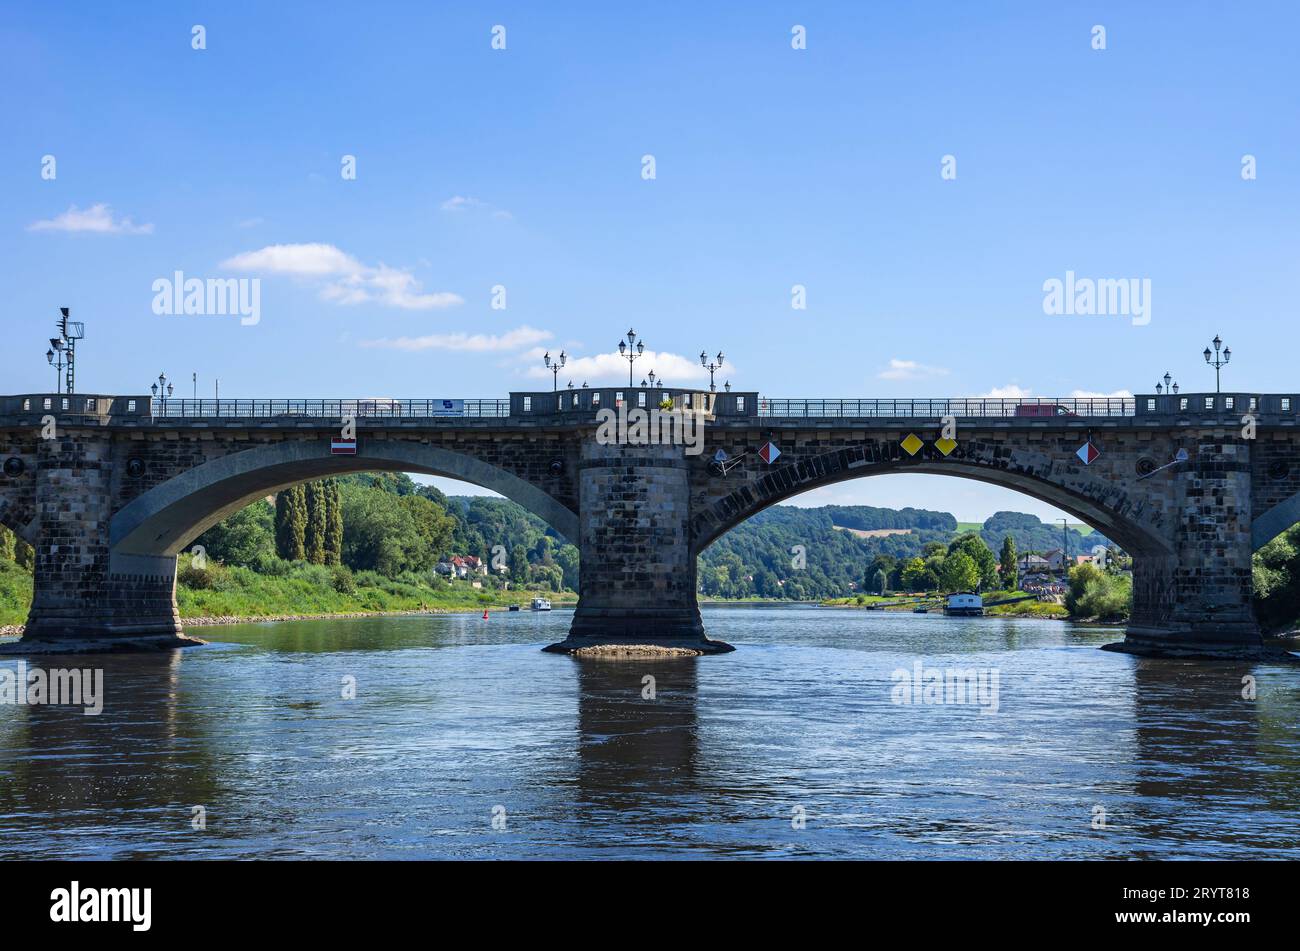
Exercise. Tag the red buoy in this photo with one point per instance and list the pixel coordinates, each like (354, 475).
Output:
(485, 614)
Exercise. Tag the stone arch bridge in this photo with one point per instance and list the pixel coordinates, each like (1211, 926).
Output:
(109, 489)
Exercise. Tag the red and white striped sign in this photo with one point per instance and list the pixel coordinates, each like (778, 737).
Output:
(343, 447)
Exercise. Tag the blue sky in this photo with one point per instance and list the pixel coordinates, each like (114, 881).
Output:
(522, 168)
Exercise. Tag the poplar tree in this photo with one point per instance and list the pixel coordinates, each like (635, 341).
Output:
(333, 524)
(314, 536)
(8, 545)
(291, 523)
(1009, 572)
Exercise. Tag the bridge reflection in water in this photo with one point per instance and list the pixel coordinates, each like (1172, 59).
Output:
(454, 716)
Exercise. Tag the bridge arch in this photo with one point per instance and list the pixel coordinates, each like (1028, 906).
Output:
(748, 500)
(1274, 521)
(162, 520)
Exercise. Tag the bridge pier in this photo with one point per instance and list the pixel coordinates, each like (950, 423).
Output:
(83, 598)
(1197, 601)
(637, 576)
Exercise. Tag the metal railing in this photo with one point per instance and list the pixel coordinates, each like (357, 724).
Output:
(1027, 408)
(330, 409)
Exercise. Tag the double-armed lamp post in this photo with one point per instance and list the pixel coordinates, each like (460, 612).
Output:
(162, 387)
(629, 350)
(711, 367)
(554, 367)
(1216, 359)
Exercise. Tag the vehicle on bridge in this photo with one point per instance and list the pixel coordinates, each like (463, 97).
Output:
(1044, 409)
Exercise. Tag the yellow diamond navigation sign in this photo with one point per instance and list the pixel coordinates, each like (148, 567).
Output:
(945, 445)
(912, 444)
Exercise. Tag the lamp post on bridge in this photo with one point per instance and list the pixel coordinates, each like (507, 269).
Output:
(711, 367)
(162, 389)
(554, 367)
(1217, 361)
(630, 353)
(62, 352)
(1169, 384)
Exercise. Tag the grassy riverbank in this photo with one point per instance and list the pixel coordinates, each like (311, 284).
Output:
(906, 602)
(304, 590)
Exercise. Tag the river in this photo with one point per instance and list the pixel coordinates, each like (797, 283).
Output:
(464, 740)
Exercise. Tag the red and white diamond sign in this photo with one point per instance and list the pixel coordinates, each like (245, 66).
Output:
(769, 452)
(1088, 453)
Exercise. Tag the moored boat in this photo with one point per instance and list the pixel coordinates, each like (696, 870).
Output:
(964, 604)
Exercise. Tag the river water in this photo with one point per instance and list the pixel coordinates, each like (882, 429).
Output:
(465, 741)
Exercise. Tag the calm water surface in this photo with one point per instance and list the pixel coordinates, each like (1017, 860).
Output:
(455, 716)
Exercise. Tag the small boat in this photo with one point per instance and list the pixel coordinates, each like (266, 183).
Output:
(514, 607)
(920, 610)
(964, 604)
(541, 604)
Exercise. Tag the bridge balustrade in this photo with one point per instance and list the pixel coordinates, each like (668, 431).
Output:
(936, 408)
(328, 409)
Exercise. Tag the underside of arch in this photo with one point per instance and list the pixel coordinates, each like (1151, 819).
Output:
(1274, 522)
(1131, 536)
(164, 519)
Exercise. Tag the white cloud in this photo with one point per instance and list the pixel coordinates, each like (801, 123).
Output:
(474, 343)
(610, 369)
(464, 202)
(909, 370)
(1011, 391)
(97, 219)
(351, 281)
(1093, 395)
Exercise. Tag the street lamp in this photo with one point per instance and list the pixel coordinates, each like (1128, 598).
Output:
(727, 386)
(1218, 360)
(711, 367)
(554, 367)
(629, 352)
(62, 351)
(162, 388)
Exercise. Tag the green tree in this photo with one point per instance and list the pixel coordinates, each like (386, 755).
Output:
(519, 570)
(433, 526)
(918, 576)
(333, 525)
(959, 572)
(567, 560)
(1008, 571)
(986, 564)
(881, 580)
(314, 534)
(244, 538)
(291, 523)
(8, 544)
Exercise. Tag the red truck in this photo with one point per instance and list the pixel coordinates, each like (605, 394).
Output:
(1044, 409)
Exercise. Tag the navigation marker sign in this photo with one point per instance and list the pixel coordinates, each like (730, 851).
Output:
(945, 445)
(912, 444)
(720, 456)
(343, 447)
(1088, 453)
(769, 453)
